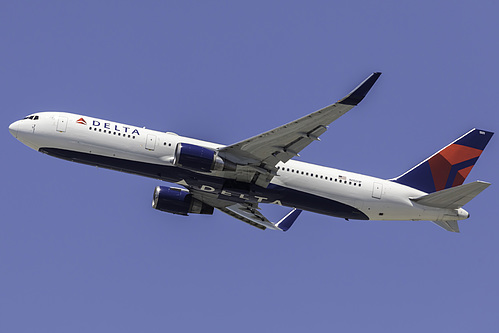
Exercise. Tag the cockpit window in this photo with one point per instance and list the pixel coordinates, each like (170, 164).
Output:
(32, 117)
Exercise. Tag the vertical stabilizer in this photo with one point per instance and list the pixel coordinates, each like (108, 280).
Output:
(448, 167)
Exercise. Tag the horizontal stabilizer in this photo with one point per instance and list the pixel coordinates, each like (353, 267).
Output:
(451, 226)
(454, 197)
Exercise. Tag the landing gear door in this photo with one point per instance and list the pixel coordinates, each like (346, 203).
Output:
(377, 190)
(151, 142)
(62, 123)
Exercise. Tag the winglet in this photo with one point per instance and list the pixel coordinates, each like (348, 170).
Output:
(287, 221)
(358, 94)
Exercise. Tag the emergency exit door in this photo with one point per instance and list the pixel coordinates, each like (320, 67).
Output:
(150, 142)
(377, 190)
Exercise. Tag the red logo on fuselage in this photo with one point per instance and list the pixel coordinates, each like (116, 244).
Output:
(81, 121)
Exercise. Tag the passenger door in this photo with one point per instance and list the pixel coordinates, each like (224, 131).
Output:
(62, 123)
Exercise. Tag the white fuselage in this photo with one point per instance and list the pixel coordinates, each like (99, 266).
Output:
(378, 199)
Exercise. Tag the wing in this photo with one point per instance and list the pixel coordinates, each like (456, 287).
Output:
(256, 158)
(247, 212)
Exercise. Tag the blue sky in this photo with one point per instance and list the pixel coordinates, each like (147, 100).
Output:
(82, 250)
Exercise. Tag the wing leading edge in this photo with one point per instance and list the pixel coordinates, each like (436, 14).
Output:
(258, 156)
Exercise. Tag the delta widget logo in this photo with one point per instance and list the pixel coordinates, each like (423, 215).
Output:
(81, 121)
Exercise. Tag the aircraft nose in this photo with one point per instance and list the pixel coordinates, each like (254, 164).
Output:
(13, 128)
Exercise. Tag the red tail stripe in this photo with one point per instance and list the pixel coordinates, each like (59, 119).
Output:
(456, 153)
(461, 175)
(440, 169)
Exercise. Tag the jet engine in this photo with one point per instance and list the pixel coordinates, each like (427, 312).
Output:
(178, 201)
(199, 158)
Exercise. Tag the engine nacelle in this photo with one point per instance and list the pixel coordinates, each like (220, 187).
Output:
(178, 201)
(200, 159)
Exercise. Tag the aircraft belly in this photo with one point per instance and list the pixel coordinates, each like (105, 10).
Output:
(331, 198)
(318, 204)
(225, 189)
(157, 171)
(312, 197)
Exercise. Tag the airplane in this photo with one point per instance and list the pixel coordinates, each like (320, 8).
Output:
(237, 179)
